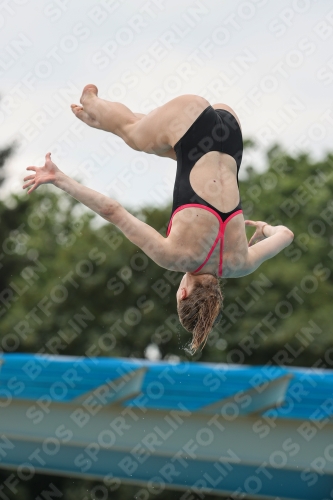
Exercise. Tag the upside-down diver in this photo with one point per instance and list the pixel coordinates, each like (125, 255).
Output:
(206, 236)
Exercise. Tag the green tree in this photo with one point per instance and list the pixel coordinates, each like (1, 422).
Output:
(287, 319)
(5, 153)
(57, 265)
(73, 287)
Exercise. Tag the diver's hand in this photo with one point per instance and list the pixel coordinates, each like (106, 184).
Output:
(43, 175)
(259, 234)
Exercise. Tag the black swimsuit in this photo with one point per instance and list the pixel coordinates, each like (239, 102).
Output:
(213, 130)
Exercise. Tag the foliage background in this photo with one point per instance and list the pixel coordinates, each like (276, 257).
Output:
(57, 260)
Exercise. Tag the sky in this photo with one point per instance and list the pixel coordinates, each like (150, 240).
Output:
(272, 62)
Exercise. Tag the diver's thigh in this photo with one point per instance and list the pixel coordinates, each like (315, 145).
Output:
(164, 126)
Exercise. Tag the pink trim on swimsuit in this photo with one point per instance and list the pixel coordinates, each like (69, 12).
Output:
(220, 235)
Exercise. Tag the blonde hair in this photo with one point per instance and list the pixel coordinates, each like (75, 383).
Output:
(198, 312)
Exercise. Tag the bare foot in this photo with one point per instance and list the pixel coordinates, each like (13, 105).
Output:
(89, 91)
(82, 115)
(85, 112)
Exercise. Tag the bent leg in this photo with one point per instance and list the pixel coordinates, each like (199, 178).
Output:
(109, 116)
(159, 130)
(156, 132)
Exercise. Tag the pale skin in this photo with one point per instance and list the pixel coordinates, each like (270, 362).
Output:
(213, 178)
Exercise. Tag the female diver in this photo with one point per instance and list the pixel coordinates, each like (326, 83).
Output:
(206, 236)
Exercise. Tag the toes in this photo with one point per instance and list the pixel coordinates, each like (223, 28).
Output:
(88, 91)
(76, 109)
(82, 115)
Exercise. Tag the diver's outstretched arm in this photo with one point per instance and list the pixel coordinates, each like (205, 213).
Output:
(139, 233)
(51, 174)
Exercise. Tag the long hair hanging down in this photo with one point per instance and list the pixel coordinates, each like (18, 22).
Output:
(198, 312)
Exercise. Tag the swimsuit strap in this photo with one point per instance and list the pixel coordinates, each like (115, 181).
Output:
(220, 235)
